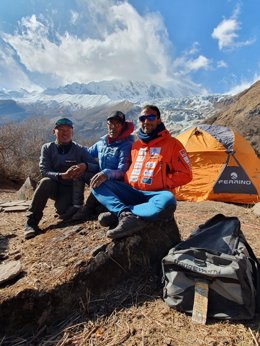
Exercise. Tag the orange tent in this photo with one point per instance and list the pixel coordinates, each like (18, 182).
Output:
(225, 167)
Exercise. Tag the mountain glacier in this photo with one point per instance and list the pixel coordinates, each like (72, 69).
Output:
(89, 104)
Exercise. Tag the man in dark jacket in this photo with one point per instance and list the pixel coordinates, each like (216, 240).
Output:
(61, 162)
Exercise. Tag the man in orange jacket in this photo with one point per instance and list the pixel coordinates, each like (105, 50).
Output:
(159, 164)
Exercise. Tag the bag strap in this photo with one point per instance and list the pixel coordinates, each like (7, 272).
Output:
(256, 272)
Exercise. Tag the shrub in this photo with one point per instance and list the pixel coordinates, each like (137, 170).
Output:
(20, 145)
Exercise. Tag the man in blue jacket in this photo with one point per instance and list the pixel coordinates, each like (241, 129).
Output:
(113, 152)
(61, 162)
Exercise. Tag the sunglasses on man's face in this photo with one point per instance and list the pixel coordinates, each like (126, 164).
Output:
(150, 117)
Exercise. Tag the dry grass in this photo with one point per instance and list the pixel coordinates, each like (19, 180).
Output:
(134, 313)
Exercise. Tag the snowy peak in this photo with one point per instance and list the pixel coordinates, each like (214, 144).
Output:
(132, 91)
(88, 104)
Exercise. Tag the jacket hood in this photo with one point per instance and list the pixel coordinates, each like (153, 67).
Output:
(126, 132)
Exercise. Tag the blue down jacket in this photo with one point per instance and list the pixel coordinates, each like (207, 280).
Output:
(114, 158)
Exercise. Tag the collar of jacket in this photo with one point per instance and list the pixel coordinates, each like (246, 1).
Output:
(126, 132)
(147, 137)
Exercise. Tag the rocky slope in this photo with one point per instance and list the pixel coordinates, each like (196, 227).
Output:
(242, 112)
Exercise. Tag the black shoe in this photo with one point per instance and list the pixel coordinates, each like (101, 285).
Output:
(108, 219)
(30, 231)
(128, 225)
(81, 214)
(69, 213)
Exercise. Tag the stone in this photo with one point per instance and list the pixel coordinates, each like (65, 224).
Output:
(27, 189)
(14, 203)
(15, 208)
(256, 208)
(9, 271)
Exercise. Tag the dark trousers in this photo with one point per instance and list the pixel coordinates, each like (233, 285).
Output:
(48, 188)
(79, 187)
(78, 192)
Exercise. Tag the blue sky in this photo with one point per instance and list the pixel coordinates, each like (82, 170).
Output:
(209, 45)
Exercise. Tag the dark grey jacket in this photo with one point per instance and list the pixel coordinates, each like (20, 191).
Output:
(53, 162)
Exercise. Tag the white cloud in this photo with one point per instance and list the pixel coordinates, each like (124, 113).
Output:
(226, 33)
(201, 62)
(132, 47)
(97, 40)
(190, 61)
(243, 84)
(194, 49)
(74, 17)
(11, 72)
(222, 64)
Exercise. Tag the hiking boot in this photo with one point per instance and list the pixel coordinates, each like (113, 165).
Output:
(84, 214)
(30, 231)
(69, 213)
(108, 219)
(128, 225)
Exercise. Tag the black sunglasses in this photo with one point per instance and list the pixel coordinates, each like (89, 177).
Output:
(150, 117)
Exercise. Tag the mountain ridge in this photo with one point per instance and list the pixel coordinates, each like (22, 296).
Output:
(242, 113)
(88, 105)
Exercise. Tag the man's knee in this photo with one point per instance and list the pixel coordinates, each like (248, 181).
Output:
(46, 181)
(166, 213)
(48, 186)
(106, 185)
(170, 199)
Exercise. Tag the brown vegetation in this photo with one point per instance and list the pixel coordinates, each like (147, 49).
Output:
(20, 146)
(131, 313)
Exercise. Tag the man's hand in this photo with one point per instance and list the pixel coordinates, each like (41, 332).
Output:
(97, 180)
(74, 172)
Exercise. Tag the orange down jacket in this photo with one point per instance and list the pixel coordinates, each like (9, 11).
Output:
(161, 164)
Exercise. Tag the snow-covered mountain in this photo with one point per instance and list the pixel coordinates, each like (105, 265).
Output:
(88, 104)
(117, 90)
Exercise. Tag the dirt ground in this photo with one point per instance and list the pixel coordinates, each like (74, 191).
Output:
(134, 313)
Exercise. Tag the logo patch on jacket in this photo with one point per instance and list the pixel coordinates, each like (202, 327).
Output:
(139, 158)
(147, 181)
(154, 152)
(138, 165)
(148, 172)
(142, 152)
(150, 164)
(133, 179)
(184, 156)
(136, 171)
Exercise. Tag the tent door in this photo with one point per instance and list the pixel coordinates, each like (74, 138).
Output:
(233, 179)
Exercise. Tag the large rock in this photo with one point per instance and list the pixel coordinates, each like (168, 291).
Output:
(109, 265)
(9, 271)
(27, 189)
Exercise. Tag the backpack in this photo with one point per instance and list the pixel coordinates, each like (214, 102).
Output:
(217, 263)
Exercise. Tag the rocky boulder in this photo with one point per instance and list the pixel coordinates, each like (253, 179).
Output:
(109, 264)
